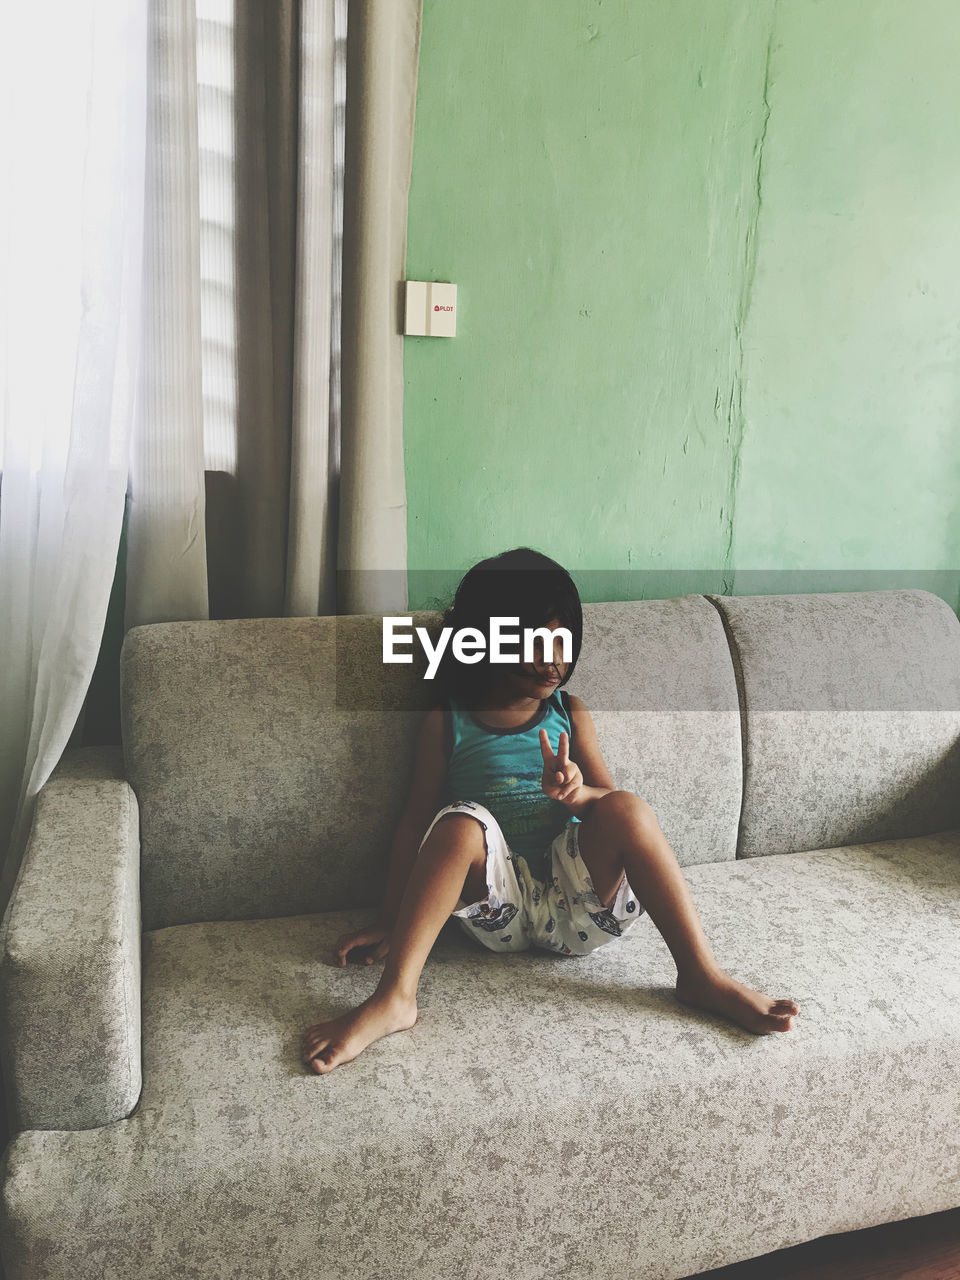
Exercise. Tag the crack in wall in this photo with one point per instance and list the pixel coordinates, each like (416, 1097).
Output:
(736, 423)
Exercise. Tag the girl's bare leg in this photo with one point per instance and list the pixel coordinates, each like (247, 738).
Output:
(620, 833)
(454, 847)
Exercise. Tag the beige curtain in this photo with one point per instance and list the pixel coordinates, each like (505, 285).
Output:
(383, 53)
(267, 468)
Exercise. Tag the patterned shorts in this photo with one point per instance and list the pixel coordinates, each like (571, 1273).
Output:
(563, 914)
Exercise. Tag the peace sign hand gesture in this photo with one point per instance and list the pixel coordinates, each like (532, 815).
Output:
(562, 778)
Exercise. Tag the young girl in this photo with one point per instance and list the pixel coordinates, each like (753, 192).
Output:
(515, 827)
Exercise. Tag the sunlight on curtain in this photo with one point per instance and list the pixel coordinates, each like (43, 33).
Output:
(216, 115)
(41, 250)
(218, 329)
(72, 138)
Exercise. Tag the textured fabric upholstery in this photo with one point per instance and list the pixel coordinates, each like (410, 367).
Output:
(271, 757)
(70, 952)
(546, 1116)
(657, 678)
(851, 705)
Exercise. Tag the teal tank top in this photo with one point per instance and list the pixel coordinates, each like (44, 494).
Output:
(501, 769)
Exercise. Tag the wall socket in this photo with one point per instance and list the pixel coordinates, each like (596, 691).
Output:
(430, 309)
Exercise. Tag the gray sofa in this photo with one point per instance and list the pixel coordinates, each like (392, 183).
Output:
(169, 935)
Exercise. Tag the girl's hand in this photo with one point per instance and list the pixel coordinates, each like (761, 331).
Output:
(375, 936)
(562, 778)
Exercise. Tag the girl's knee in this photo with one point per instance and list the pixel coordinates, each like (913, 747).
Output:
(458, 822)
(455, 837)
(625, 805)
(457, 831)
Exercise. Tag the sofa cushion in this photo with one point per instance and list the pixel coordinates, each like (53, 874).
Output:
(659, 683)
(271, 757)
(571, 1099)
(851, 716)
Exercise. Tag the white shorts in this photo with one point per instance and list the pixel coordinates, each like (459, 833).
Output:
(520, 911)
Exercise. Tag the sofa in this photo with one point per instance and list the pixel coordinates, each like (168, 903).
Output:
(169, 938)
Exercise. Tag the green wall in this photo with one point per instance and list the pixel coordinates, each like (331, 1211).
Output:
(708, 266)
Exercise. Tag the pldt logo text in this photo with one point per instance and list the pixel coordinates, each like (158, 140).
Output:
(469, 644)
(439, 308)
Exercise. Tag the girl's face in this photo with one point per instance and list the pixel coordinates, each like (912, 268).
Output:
(539, 678)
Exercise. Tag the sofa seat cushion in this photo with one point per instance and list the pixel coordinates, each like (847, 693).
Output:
(570, 1101)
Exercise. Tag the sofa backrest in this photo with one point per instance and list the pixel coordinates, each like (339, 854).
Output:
(271, 757)
(851, 717)
(657, 678)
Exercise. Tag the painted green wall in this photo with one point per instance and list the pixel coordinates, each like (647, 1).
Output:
(708, 266)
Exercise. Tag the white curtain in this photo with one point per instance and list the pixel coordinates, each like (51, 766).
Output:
(72, 124)
(172, 215)
(166, 553)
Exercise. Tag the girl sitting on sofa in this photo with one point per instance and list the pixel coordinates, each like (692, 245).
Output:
(515, 827)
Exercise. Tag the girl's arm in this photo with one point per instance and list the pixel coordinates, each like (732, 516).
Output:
(585, 752)
(429, 774)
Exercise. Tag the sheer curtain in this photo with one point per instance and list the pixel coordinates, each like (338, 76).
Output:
(72, 121)
(166, 553)
(174, 219)
(171, 229)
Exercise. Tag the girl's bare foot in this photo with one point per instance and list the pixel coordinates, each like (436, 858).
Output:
(719, 993)
(329, 1044)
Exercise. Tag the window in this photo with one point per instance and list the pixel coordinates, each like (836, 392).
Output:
(215, 110)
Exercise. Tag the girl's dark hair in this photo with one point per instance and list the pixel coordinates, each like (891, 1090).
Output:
(521, 583)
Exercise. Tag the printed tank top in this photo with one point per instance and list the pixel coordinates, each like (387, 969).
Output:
(501, 769)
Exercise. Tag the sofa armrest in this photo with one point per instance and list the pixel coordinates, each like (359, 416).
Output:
(70, 952)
